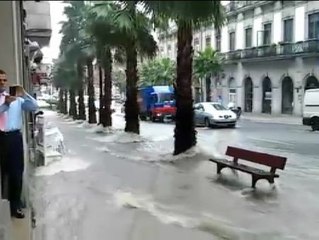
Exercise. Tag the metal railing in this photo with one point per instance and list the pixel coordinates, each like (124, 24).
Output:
(281, 49)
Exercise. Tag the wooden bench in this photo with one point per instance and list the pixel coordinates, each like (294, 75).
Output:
(272, 161)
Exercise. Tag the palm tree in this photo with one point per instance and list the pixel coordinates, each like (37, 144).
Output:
(158, 72)
(206, 64)
(187, 15)
(132, 30)
(91, 91)
(72, 47)
(105, 36)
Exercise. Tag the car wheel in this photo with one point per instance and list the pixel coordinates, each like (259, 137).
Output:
(207, 123)
(232, 125)
(143, 117)
(315, 124)
(153, 119)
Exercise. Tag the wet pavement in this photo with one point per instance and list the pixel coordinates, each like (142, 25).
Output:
(118, 186)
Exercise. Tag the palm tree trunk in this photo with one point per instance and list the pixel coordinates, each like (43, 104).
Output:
(107, 87)
(81, 104)
(91, 92)
(131, 105)
(101, 108)
(208, 88)
(185, 135)
(65, 103)
(60, 103)
(72, 109)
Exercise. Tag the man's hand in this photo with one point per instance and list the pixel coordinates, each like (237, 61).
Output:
(9, 99)
(20, 92)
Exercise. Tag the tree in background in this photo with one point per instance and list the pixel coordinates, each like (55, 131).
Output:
(158, 72)
(187, 15)
(207, 64)
(135, 37)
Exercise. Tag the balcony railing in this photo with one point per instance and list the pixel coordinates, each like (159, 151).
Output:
(236, 5)
(275, 50)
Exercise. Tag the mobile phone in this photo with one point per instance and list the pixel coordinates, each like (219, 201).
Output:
(13, 91)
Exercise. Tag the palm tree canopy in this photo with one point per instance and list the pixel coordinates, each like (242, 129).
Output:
(114, 23)
(207, 62)
(198, 12)
(158, 72)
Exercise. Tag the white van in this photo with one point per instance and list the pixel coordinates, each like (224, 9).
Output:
(310, 115)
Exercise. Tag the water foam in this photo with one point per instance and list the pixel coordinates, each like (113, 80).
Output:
(66, 164)
(203, 222)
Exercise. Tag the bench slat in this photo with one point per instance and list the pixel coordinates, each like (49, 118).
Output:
(243, 168)
(257, 157)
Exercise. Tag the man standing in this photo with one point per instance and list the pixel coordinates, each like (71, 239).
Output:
(11, 141)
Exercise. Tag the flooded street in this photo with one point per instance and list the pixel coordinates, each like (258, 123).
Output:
(117, 186)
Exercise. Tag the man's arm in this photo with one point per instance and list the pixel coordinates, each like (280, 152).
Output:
(29, 104)
(4, 107)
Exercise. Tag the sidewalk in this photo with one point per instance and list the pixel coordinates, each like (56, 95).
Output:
(267, 118)
(11, 228)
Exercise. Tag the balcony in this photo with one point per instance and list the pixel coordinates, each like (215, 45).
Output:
(281, 50)
(241, 5)
(38, 22)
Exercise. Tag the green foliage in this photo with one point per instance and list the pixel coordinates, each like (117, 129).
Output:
(207, 62)
(115, 23)
(200, 13)
(158, 72)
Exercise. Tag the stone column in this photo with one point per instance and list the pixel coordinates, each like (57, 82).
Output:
(298, 86)
(11, 63)
(240, 90)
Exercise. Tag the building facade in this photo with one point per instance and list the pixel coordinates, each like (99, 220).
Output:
(270, 52)
(18, 31)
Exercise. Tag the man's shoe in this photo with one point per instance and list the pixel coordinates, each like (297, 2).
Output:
(18, 213)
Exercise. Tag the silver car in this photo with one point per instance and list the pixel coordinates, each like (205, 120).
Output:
(210, 114)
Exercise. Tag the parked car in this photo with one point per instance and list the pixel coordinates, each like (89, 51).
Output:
(310, 113)
(210, 114)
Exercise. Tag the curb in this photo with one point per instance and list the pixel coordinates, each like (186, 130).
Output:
(272, 121)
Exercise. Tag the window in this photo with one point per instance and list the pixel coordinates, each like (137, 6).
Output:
(208, 41)
(217, 40)
(267, 34)
(196, 45)
(232, 41)
(169, 48)
(313, 26)
(219, 107)
(248, 37)
(196, 41)
(288, 30)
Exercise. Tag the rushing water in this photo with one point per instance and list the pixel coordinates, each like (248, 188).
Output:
(113, 185)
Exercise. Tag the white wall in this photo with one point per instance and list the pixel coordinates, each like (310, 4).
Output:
(278, 26)
(299, 23)
(224, 39)
(257, 27)
(240, 35)
(10, 39)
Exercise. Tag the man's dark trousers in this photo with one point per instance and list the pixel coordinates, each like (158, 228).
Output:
(12, 166)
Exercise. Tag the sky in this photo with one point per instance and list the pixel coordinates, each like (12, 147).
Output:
(52, 51)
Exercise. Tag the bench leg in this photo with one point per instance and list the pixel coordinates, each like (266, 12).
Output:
(219, 168)
(254, 180)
